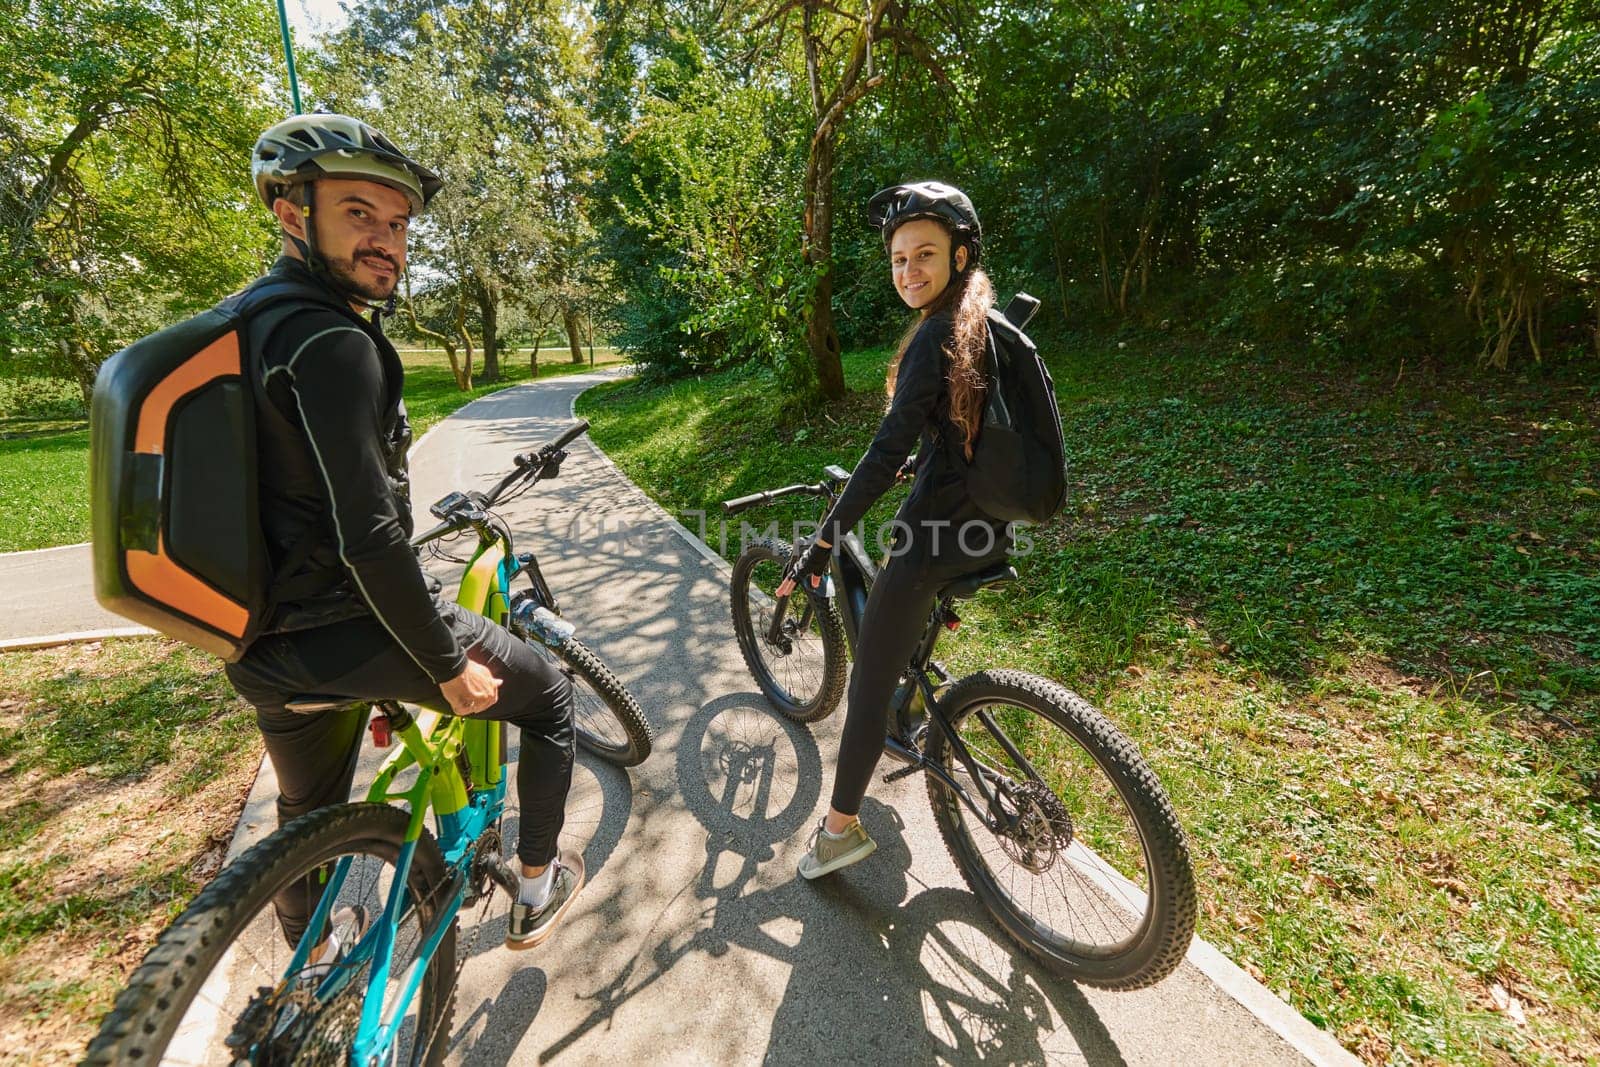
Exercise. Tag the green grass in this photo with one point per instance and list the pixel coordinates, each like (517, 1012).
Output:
(123, 767)
(1353, 627)
(44, 441)
(44, 486)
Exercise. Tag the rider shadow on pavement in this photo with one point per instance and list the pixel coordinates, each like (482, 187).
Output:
(873, 976)
(599, 806)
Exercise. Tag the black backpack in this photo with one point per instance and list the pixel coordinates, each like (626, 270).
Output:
(1018, 470)
(177, 542)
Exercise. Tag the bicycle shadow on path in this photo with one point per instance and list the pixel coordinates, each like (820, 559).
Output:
(881, 967)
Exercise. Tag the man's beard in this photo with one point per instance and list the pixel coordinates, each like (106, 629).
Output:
(345, 271)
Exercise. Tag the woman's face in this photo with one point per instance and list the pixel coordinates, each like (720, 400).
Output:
(919, 257)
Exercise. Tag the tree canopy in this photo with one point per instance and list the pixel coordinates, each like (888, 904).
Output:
(1388, 179)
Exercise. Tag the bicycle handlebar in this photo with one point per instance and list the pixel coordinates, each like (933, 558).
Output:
(744, 503)
(527, 464)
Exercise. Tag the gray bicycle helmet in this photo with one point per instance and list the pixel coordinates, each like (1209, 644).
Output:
(324, 145)
(891, 208)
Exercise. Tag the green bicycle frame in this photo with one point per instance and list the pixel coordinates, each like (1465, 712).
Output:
(433, 743)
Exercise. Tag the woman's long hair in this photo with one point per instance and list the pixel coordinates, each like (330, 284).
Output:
(971, 295)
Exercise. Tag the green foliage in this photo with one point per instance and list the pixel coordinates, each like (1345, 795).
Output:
(491, 96)
(1353, 627)
(720, 209)
(124, 200)
(1420, 181)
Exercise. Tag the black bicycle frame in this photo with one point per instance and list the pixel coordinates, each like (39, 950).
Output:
(853, 574)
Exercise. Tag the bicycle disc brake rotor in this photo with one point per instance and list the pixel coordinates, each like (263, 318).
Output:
(1043, 829)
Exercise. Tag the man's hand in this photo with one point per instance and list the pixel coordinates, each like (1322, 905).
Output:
(473, 690)
(812, 563)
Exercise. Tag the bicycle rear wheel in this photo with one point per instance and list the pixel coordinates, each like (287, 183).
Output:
(1092, 876)
(609, 722)
(214, 989)
(802, 673)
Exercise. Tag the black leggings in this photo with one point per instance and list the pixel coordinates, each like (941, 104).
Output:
(315, 755)
(895, 619)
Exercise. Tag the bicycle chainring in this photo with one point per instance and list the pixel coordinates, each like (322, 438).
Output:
(1043, 828)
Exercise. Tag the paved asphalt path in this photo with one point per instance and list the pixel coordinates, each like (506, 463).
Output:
(50, 591)
(694, 941)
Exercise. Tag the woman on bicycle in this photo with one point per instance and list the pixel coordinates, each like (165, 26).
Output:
(935, 386)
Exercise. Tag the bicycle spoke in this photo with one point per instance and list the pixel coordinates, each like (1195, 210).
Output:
(1077, 890)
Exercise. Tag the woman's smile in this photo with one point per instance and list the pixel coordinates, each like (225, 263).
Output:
(919, 258)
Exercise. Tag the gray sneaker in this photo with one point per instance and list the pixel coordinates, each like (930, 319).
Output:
(829, 853)
(529, 925)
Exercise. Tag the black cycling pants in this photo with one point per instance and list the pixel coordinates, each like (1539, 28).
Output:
(895, 619)
(315, 755)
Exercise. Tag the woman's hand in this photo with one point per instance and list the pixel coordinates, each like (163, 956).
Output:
(811, 564)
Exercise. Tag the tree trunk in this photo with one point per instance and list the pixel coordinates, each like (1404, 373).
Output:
(1597, 320)
(822, 337)
(465, 337)
(569, 317)
(488, 298)
(463, 380)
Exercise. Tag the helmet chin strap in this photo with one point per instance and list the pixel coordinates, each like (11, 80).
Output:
(318, 266)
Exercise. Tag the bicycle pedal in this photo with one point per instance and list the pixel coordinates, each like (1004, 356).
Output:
(901, 772)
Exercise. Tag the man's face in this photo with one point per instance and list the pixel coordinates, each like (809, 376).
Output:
(361, 233)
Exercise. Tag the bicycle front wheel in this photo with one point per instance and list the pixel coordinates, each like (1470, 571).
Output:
(800, 670)
(609, 722)
(1088, 871)
(214, 987)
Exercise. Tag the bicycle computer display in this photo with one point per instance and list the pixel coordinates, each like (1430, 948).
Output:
(448, 504)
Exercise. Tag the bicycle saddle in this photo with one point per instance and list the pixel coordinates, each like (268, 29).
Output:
(310, 703)
(968, 584)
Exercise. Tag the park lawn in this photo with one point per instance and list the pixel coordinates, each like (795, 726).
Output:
(1352, 622)
(123, 769)
(44, 462)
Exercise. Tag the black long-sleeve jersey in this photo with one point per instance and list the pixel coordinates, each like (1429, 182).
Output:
(332, 433)
(919, 415)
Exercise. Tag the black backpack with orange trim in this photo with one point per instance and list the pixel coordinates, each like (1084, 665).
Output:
(177, 542)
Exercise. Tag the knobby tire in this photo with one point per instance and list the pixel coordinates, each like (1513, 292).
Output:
(584, 668)
(762, 658)
(141, 1024)
(1158, 940)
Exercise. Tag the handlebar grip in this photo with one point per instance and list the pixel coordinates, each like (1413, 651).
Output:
(733, 507)
(577, 430)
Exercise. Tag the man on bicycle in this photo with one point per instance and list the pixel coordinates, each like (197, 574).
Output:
(353, 614)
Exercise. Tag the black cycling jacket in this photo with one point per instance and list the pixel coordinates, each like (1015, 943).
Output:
(939, 505)
(332, 434)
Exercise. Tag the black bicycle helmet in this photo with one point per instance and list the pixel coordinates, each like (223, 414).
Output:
(891, 208)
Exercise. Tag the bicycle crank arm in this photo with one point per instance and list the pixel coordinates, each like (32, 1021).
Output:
(499, 872)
